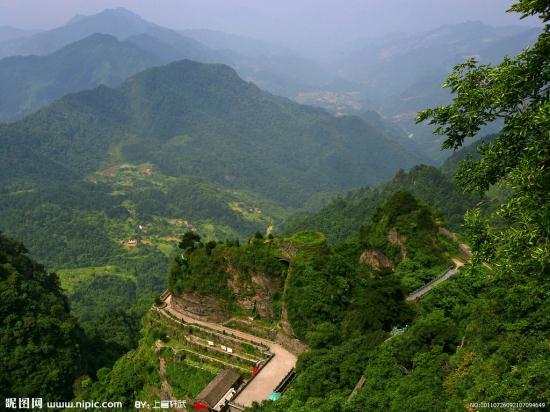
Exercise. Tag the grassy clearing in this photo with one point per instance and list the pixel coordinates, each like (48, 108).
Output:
(308, 238)
(70, 278)
(254, 329)
(186, 381)
(165, 248)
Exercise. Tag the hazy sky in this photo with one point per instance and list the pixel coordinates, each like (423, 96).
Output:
(288, 21)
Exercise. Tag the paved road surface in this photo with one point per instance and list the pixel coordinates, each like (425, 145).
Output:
(417, 294)
(283, 361)
(268, 378)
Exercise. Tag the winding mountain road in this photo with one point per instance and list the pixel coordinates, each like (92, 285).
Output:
(283, 361)
(263, 384)
(417, 294)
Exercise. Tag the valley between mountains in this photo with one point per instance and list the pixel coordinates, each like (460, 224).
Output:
(195, 220)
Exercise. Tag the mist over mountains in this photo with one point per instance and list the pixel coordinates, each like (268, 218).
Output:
(402, 75)
(212, 221)
(396, 76)
(278, 71)
(228, 127)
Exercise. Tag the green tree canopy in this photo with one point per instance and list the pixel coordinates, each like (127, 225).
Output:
(39, 339)
(517, 91)
(189, 241)
(511, 311)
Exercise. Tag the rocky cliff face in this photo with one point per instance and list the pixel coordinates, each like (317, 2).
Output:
(209, 308)
(252, 292)
(395, 238)
(255, 295)
(376, 259)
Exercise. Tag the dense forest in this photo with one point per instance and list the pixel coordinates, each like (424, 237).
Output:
(100, 184)
(44, 348)
(329, 294)
(186, 179)
(40, 353)
(340, 218)
(400, 247)
(482, 335)
(30, 82)
(192, 119)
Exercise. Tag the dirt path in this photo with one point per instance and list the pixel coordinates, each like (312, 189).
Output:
(165, 387)
(202, 356)
(270, 375)
(214, 326)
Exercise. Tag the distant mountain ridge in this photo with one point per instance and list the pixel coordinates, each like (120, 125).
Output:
(8, 33)
(403, 74)
(247, 46)
(382, 62)
(119, 22)
(30, 82)
(268, 144)
(372, 76)
(269, 66)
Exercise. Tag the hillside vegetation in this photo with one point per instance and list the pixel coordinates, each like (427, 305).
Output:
(483, 335)
(315, 285)
(236, 136)
(100, 184)
(182, 143)
(30, 82)
(39, 338)
(334, 299)
(340, 218)
(120, 187)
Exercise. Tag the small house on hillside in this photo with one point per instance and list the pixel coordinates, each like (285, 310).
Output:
(216, 395)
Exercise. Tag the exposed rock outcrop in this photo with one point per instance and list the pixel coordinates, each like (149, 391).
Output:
(396, 239)
(255, 293)
(210, 308)
(376, 259)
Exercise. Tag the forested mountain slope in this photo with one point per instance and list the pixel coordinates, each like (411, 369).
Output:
(30, 82)
(43, 348)
(343, 214)
(100, 183)
(39, 339)
(193, 119)
(481, 336)
(335, 300)
(274, 68)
